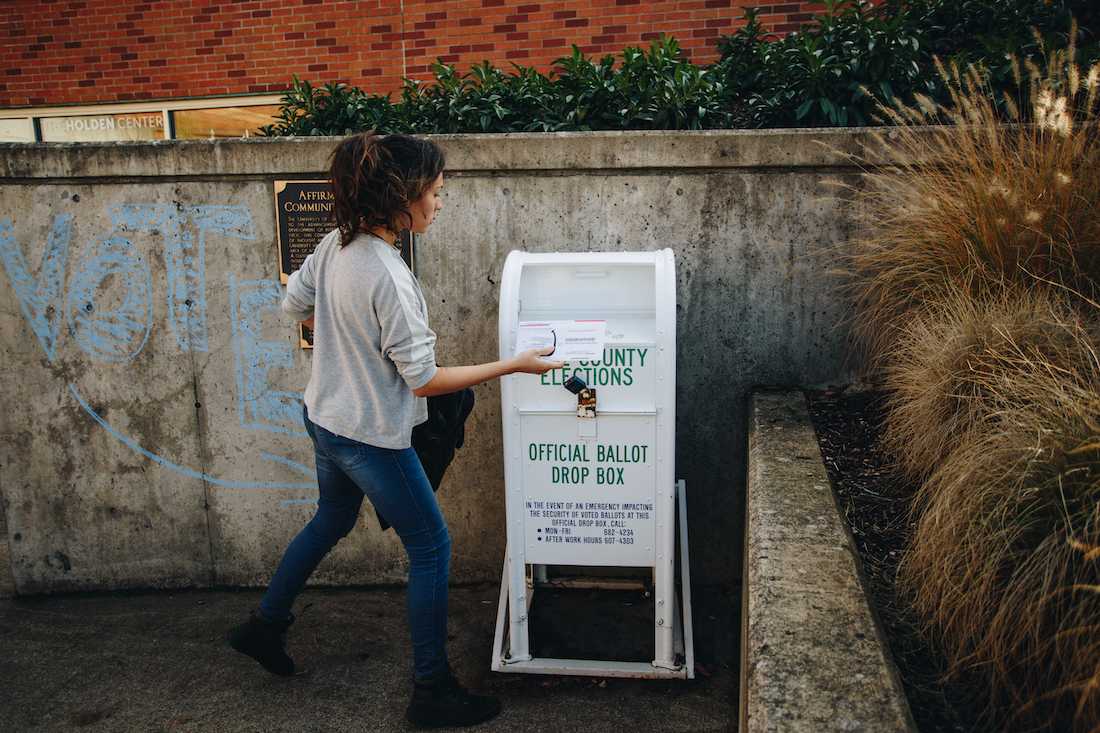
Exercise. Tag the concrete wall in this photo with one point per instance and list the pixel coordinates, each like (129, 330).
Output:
(7, 582)
(804, 608)
(151, 432)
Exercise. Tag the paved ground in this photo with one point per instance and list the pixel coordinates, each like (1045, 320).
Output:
(157, 662)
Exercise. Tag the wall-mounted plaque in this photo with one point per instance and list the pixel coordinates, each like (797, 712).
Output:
(303, 213)
(303, 216)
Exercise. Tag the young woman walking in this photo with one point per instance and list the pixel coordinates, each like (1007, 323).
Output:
(373, 365)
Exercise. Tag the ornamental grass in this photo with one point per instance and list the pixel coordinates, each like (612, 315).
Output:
(977, 301)
(1004, 562)
(982, 192)
(942, 373)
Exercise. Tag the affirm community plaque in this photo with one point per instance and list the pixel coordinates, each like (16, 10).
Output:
(303, 216)
(303, 211)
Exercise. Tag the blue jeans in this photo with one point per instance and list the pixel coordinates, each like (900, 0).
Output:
(396, 485)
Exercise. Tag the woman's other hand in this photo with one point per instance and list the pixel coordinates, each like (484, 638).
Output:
(532, 361)
(308, 323)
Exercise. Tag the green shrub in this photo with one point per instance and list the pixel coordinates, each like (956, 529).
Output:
(332, 109)
(655, 89)
(820, 76)
(817, 77)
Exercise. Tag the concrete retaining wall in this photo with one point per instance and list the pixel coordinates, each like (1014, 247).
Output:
(813, 658)
(151, 435)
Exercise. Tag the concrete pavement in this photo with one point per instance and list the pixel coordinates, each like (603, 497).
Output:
(157, 662)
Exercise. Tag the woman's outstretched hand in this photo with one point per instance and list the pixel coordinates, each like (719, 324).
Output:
(532, 361)
(452, 379)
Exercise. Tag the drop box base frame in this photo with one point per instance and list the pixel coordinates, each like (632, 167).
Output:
(683, 641)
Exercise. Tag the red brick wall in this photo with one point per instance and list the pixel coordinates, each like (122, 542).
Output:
(94, 51)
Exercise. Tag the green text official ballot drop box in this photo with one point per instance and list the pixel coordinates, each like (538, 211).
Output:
(590, 476)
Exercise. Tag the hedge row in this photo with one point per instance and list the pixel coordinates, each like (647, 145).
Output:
(814, 78)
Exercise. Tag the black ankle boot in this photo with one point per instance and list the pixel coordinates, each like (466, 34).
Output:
(441, 702)
(264, 641)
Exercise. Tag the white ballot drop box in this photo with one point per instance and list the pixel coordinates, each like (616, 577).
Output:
(589, 449)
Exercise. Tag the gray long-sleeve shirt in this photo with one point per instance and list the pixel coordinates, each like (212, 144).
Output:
(371, 342)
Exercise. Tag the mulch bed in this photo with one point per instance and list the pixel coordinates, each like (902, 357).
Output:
(874, 499)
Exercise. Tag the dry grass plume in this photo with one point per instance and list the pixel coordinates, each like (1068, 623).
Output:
(976, 284)
(968, 203)
(947, 357)
(1004, 565)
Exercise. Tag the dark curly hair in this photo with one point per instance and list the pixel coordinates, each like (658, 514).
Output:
(375, 177)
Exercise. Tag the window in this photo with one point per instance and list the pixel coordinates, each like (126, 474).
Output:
(16, 130)
(190, 118)
(97, 128)
(190, 124)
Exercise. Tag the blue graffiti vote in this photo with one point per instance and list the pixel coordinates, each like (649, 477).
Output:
(107, 305)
